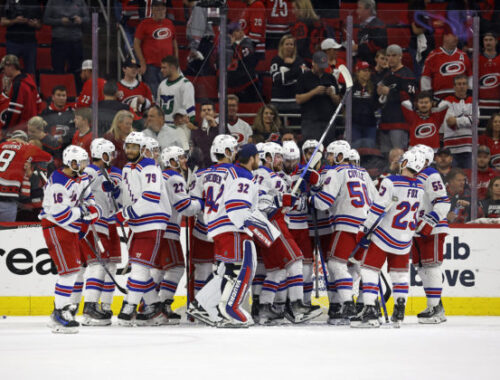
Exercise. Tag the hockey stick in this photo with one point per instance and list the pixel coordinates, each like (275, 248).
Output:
(318, 253)
(383, 300)
(348, 80)
(388, 291)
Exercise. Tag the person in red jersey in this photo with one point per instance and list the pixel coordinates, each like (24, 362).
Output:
(253, 23)
(279, 17)
(85, 97)
(131, 90)
(492, 139)
(485, 173)
(489, 77)
(83, 135)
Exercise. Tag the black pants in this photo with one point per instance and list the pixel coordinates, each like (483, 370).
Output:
(66, 52)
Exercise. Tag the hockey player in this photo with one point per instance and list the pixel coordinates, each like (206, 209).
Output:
(347, 192)
(104, 188)
(174, 186)
(428, 244)
(253, 23)
(354, 158)
(68, 208)
(147, 219)
(387, 232)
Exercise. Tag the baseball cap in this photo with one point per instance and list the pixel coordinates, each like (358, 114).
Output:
(444, 151)
(394, 49)
(247, 151)
(10, 60)
(180, 111)
(87, 64)
(483, 149)
(320, 59)
(362, 65)
(330, 43)
(131, 62)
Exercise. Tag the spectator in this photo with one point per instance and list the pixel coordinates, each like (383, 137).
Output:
(24, 99)
(484, 172)
(67, 18)
(331, 47)
(457, 124)
(424, 122)
(131, 90)
(200, 35)
(241, 76)
(166, 134)
(22, 19)
(83, 123)
(490, 207)
(181, 121)
(202, 138)
(129, 17)
(120, 129)
(443, 160)
(59, 116)
(372, 34)
(239, 128)
(364, 124)
(4, 97)
(489, 77)
(109, 106)
(492, 139)
(278, 21)
(85, 97)
(286, 68)
(422, 37)
(381, 66)
(176, 92)
(443, 64)
(267, 124)
(317, 96)
(37, 127)
(392, 165)
(307, 29)
(459, 196)
(154, 39)
(253, 24)
(397, 85)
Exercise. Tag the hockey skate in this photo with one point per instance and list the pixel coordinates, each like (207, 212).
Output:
(297, 312)
(151, 316)
(432, 315)
(172, 318)
(398, 315)
(348, 311)
(62, 321)
(93, 316)
(335, 315)
(106, 309)
(268, 315)
(196, 311)
(368, 318)
(127, 315)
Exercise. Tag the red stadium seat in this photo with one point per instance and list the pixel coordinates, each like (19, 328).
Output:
(183, 55)
(177, 11)
(267, 85)
(265, 64)
(399, 36)
(235, 9)
(205, 87)
(249, 107)
(393, 13)
(44, 35)
(49, 81)
(347, 9)
(43, 59)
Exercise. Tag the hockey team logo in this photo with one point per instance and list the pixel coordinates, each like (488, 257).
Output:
(120, 95)
(243, 23)
(495, 160)
(425, 130)
(452, 68)
(489, 81)
(162, 34)
(239, 137)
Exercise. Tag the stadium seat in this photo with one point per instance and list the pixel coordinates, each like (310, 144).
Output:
(205, 87)
(347, 9)
(49, 81)
(180, 35)
(44, 35)
(235, 9)
(393, 13)
(177, 11)
(267, 85)
(399, 36)
(249, 107)
(43, 59)
(265, 64)
(183, 55)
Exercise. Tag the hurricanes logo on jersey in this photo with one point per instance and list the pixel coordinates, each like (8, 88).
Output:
(495, 161)
(489, 81)
(162, 34)
(243, 23)
(452, 68)
(238, 136)
(425, 130)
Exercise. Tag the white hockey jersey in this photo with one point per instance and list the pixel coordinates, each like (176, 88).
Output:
(175, 95)
(347, 192)
(436, 203)
(296, 219)
(240, 130)
(270, 185)
(174, 188)
(200, 229)
(102, 198)
(324, 217)
(397, 204)
(63, 198)
(141, 196)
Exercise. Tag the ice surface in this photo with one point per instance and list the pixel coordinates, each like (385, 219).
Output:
(462, 348)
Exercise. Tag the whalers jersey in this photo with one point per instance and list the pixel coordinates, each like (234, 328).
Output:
(175, 95)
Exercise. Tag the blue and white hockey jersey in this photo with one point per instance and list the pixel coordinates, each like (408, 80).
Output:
(200, 230)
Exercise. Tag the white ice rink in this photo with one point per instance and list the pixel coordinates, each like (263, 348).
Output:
(462, 348)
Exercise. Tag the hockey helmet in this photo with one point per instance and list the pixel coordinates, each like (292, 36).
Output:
(354, 157)
(135, 138)
(151, 144)
(312, 144)
(339, 147)
(274, 150)
(413, 159)
(77, 154)
(99, 147)
(171, 153)
(220, 144)
(427, 151)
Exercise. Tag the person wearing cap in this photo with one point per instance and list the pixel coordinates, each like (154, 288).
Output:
(372, 33)
(154, 39)
(398, 84)
(24, 101)
(285, 70)
(22, 19)
(166, 134)
(131, 90)
(253, 23)
(485, 173)
(443, 64)
(443, 162)
(364, 102)
(85, 97)
(109, 106)
(67, 18)
(317, 95)
(489, 78)
(331, 47)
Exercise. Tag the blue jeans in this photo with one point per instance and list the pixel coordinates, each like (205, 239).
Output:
(152, 77)
(363, 136)
(25, 51)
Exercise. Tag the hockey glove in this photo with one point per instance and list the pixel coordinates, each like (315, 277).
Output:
(108, 187)
(289, 200)
(427, 224)
(313, 177)
(90, 214)
(362, 238)
(120, 218)
(83, 230)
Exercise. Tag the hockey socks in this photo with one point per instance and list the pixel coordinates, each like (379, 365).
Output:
(342, 280)
(76, 294)
(201, 274)
(63, 290)
(271, 285)
(108, 288)
(432, 283)
(140, 284)
(94, 283)
(308, 283)
(370, 286)
(168, 285)
(295, 281)
(258, 280)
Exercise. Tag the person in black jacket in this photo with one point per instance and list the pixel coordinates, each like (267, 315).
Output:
(364, 104)
(372, 34)
(286, 68)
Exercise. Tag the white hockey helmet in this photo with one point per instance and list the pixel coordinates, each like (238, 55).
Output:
(427, 151)
(151, 144)
(260, 149)
(135, 138)
(415, 160)
(99, 147)
(354, 156)
(339, 147)
(171, 153)
(220, 144)
(291, 151)
(312, 144)
(272, 149)
(77, 154)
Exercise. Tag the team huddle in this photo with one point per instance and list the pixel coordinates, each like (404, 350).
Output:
(260, 212)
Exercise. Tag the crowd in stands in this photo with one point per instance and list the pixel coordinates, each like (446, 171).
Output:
(412, 74)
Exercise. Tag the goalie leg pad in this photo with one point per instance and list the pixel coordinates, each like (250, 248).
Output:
(342, 279)
(432, 283)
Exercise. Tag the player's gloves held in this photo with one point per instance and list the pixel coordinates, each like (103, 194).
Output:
(125, 214)
(362, 238)
(90, 214)
(427, 223)
(289, 200)
(313, 177)
(108, 187)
